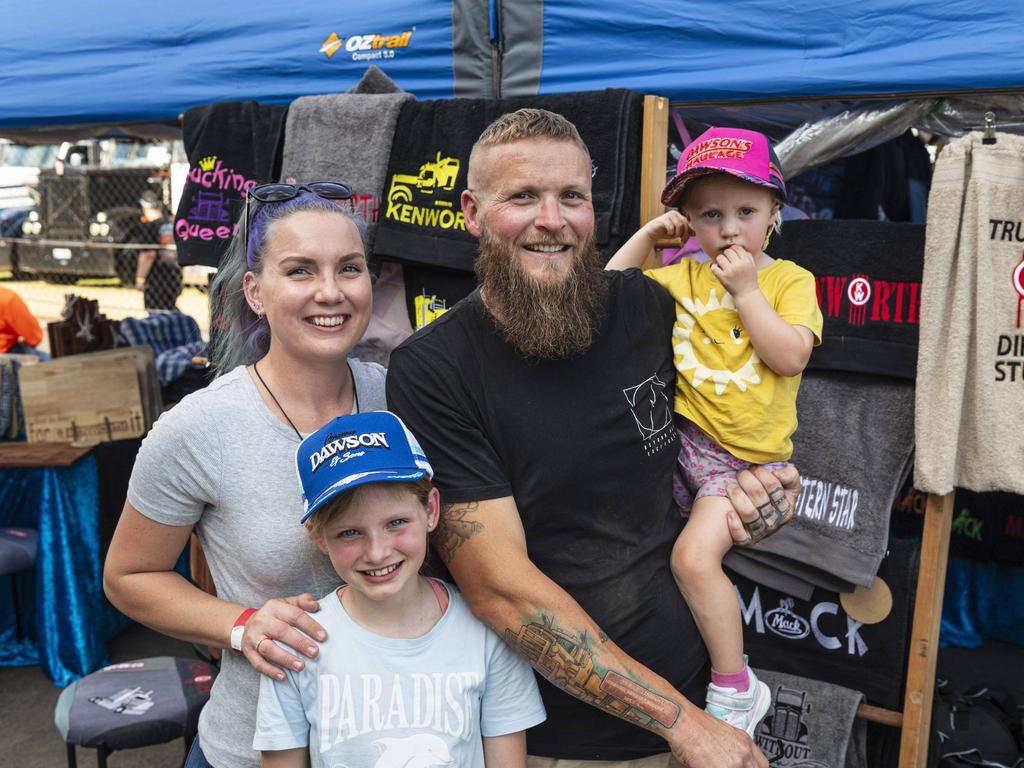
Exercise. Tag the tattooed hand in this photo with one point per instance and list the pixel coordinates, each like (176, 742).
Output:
(762, 503)
(710, 743)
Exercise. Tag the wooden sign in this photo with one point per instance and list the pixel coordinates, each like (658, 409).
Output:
(84, 399)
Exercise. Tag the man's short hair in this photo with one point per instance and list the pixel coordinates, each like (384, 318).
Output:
(527, 123)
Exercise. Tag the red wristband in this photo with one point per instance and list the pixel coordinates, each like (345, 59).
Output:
(239, 627)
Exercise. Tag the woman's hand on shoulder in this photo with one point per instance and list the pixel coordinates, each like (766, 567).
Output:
(285, 621)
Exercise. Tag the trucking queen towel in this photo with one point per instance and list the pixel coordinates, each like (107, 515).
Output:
(231, 147)
(970, 365)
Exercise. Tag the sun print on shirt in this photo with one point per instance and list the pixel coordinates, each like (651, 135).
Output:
(703, 335)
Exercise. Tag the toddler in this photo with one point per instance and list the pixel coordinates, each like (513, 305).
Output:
(745, 326)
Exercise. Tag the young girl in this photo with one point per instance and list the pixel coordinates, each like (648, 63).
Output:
(407, 671)
(744, 330)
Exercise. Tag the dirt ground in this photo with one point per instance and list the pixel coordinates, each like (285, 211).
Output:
(46, 300)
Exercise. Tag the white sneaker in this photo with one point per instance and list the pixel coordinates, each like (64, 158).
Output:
(740, 710)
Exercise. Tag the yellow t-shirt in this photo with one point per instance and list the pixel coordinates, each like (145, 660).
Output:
(721, 384)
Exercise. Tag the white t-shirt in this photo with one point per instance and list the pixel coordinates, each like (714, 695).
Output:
(223, 461)
(369, 700)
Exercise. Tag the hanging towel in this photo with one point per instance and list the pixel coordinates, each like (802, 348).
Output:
(231, 147)
(868, 275)
(783, 573)
(970, 394)
(853, 448)
(375, 81)
(422, 221)
(343, 137)
(988, 526)
(811, 723)
(781, 580)
(816, 637)
(389, 322)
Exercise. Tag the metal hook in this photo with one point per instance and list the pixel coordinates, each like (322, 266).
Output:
(989, 137)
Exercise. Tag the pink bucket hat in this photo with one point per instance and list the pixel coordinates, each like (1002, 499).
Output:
(748, 155)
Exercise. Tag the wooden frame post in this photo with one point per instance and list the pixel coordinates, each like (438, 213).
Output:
(924, 634)
(653, 163)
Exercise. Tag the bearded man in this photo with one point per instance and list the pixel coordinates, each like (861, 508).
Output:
(544, 403)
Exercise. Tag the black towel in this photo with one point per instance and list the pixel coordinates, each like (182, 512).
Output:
(422, 220)
(815, 638)
(988, 526)
(231, 147)
(868, 275)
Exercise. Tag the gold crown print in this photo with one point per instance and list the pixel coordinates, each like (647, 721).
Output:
(208, 162)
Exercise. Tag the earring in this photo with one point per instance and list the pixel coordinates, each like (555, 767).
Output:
(256, 307)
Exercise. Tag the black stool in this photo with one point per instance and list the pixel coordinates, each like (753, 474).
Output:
(134, 704)
(17, 553)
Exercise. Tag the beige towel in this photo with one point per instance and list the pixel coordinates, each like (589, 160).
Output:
(969, 427)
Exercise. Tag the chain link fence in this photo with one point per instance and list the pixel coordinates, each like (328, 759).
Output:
(104, 233)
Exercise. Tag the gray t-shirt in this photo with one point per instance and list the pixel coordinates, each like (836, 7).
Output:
(221, 460)
(392, 701)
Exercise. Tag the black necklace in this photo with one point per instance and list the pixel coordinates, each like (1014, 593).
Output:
(355, 397)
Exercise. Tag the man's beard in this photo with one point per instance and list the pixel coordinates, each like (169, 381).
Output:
(551, 320)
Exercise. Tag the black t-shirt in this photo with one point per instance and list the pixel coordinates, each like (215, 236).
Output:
(586, 448)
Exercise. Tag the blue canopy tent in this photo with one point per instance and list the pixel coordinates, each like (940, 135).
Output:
(64, 64)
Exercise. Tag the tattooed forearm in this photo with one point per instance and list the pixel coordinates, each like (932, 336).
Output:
(455, 528)
(571, 663)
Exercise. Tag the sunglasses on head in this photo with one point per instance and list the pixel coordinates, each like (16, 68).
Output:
(279, 193)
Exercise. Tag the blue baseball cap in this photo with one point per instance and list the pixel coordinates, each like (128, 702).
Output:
(350, 451)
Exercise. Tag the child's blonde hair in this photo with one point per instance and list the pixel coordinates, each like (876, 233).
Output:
(335, 507)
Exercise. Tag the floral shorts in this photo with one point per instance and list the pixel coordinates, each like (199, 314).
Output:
(704, 468)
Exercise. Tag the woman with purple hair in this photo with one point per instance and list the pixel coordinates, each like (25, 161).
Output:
(295, 298)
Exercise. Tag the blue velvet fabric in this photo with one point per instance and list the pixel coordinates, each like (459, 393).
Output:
(982, 600)
(66, 617)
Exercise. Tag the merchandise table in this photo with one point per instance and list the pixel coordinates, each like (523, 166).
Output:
(63, 607)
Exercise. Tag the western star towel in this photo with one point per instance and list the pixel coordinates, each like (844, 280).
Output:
(853, 449)
(343, 137)
(811, 723)
(868, 275)
(231, 147)
(783, 573)
(422, 220)
(970, 382)
(817, 639)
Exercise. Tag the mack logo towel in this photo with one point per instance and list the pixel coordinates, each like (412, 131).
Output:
(421, 220)
(970, 391)
(811, 723)
(343, 137)
(853, 448)
(868, 275)
(817, 639)
(231, 147)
